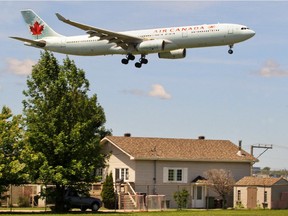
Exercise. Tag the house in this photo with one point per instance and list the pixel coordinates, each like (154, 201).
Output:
(165, 165)
(257, 192)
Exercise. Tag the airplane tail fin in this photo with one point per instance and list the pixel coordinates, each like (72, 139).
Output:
(36, 26)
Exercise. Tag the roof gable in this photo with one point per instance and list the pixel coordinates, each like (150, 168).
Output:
(179, 149)
(258, 181)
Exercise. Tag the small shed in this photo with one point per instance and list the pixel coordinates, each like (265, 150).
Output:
(256, 192)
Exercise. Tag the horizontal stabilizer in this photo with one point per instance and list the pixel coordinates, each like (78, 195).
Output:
(32, 42)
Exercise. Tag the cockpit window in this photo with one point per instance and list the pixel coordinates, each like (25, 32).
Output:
(244, 28)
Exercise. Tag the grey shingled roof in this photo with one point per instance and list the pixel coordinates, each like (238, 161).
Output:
(143, 148)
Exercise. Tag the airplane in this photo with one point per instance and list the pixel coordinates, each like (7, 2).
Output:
(167, 42)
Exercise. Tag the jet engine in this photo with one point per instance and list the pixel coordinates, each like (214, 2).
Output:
(151, 45)
(173, 54)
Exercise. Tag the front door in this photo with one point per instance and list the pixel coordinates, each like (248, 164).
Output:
(198, 200)
(251, 197)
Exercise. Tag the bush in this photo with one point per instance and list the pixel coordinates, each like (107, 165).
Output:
(181, 198)
(108, 194)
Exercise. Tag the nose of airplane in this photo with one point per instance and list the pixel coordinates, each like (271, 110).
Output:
(251, 33)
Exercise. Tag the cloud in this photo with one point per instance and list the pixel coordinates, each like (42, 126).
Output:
(19, 67)
(272, 69)
(158, 91)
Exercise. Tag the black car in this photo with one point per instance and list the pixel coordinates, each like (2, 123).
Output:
(75, 200)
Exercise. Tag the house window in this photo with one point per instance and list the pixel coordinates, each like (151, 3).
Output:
(99, 174)
(179, 175)
(239, 195)
(175, 175)
(265, 196)
(122, 173)
(199, 192)
(170, 175)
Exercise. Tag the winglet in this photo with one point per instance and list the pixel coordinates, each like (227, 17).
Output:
(60, 17)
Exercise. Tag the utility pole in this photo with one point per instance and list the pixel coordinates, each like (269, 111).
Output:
(263, 146)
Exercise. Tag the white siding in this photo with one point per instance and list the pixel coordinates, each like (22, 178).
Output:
(145, 170)
(118, 159)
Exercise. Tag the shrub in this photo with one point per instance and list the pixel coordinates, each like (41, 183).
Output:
(181, 198)
(108, 194)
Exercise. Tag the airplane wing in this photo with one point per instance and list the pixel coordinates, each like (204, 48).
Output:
(32, 42)
(121, 40)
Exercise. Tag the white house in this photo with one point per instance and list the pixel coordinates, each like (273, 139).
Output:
(165, 165)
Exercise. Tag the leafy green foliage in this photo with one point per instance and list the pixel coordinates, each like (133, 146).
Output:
(13, 169)
(108, 194)
(64, 124)
(181, 198)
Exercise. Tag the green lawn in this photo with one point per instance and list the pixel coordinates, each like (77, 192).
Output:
(164, 213)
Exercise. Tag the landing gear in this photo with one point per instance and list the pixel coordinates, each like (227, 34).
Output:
(131, 57)
(230, 51)
(128, 57)
(142, 60)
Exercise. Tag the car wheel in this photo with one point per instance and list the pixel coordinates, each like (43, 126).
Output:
(83, 209)
(66, 207)
(95, 207)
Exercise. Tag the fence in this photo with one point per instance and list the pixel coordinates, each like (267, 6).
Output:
(142, 202)
(23, 196)
(199, 195)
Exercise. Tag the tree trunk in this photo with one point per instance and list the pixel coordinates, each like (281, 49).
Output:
(224, 202)
(59, 199)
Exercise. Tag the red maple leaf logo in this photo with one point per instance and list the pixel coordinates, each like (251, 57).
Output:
(36, 29)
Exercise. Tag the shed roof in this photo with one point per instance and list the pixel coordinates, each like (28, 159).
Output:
(143, 148)
(259, 181)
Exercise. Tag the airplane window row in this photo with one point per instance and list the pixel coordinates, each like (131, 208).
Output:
(205, 31)
(193, 32)
(81, 41)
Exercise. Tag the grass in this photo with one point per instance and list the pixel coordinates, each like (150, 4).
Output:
(193, 212)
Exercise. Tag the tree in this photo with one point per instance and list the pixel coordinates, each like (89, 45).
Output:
(64, 125)
(266, 170)
(13, 169)
(222, 182)
(108, 194)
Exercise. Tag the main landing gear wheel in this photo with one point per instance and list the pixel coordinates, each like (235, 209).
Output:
(142, 60)
(128, 57)
(230, 51)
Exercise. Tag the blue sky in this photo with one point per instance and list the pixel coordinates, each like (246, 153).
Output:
(209, 93)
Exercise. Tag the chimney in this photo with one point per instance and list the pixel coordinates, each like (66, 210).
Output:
(127, 135)
(240, 145)
(201, 137)
(239, 153)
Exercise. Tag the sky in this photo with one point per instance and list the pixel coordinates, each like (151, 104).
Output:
(209, 93)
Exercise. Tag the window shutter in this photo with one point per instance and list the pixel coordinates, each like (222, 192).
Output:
(185, 175)
(165, 175)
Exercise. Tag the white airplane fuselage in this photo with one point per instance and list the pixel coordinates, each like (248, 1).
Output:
(169, 43)
(174, 37)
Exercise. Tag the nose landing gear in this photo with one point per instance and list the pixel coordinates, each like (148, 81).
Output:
(230, 51)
